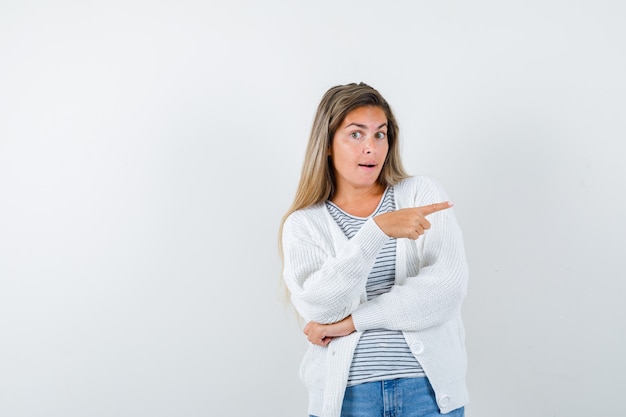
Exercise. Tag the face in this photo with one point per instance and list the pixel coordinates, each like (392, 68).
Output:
(359, 148)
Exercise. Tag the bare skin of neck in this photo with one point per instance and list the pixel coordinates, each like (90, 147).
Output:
(359, 202)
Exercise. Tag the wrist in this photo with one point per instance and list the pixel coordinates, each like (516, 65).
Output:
(348, 325)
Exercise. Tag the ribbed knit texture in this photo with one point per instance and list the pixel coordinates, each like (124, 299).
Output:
(326, 274)
(381, 354)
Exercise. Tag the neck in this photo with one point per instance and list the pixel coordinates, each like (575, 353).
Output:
(359, 201)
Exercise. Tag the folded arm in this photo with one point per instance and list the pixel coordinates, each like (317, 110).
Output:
(325, 286)
(434, 288)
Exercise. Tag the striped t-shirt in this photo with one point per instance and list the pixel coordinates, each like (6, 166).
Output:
(381, 354)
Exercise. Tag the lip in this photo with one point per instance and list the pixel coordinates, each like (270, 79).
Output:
(368, 164)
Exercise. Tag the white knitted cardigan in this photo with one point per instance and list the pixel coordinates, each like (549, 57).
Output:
(326, 275)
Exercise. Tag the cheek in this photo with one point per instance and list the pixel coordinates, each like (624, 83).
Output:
(342, 152)
(385, 148)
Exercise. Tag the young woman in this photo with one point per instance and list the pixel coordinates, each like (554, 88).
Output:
(374, 263)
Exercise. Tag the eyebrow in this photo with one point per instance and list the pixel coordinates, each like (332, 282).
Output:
(363, 126)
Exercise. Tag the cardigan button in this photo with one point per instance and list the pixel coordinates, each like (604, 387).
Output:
(417, 347)
(444, 401)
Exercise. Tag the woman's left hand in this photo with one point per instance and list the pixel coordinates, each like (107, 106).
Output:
(322, 334)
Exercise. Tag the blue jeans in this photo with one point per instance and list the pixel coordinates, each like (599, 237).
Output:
(404, 397)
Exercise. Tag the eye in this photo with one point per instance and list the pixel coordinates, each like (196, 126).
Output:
(356, 135)
(381, 135)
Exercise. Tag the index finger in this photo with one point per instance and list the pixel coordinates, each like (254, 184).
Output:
(432, 208)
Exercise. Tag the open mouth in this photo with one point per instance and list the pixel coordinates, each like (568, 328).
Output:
(367, 165)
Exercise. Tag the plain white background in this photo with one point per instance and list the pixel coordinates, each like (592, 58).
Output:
(148, 150)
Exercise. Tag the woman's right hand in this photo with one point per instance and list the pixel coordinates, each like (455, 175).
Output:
(408, 223)
(321, 334)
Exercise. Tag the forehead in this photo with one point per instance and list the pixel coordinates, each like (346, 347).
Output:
(366, 115)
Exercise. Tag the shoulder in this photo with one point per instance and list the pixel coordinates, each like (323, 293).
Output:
(308, 213)
(419, 189)
(307, 218)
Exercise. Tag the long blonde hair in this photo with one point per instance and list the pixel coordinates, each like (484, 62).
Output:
(317, 179)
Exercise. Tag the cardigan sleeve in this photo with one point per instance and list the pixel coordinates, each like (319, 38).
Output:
(326, 286)
(436, 284)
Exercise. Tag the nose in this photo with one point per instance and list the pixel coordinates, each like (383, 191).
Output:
(368, 145)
